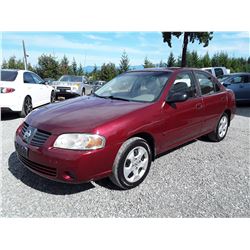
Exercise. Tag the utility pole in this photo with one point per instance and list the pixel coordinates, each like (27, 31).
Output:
(25, 57)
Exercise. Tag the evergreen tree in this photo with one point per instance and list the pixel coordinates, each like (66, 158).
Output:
(108, 71)
(171, 60)
(48, 66)
(74, 67)
(195, 60)
(148, 64)
(80, 71)
(162, 64)
(64, 67)
(124, 63)
(206, 61)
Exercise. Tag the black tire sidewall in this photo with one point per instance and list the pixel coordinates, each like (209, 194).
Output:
(217, 128)
(120, 173)
(24, 112)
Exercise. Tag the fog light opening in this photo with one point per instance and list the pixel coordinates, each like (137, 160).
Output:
(68, 176)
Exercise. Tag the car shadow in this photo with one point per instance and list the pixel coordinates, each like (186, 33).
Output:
(41, 184)
(6, 116)
(243, 110)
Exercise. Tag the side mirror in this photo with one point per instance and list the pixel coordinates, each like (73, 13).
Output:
(177, 97)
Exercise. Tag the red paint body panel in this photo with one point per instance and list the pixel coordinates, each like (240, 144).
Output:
(117, 120)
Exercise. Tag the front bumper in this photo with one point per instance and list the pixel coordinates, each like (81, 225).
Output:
(66, 91)
(71, 166)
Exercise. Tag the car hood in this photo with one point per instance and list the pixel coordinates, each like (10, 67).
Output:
(81, 114)
(64, 83)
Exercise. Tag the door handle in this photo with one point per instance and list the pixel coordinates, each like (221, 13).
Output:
(198, 106)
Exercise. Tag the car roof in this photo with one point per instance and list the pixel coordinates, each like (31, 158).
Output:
(168, 69)
(238, 73)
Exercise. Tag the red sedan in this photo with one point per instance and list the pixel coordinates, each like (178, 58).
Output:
(124, 126)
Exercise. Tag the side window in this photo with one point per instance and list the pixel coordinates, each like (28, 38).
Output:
(238, 79)
(184, 82)
(206, 83)
(218, 72)
(37, 78)
(27, 78)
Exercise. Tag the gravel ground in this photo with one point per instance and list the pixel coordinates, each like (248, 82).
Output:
(201, 179)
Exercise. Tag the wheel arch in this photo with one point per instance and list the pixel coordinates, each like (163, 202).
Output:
(228, 112)
(149, 139)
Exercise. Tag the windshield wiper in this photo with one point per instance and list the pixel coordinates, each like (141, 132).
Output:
(111, 97)
(117, 98)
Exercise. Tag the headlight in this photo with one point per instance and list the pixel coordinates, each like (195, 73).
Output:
(76, 86)
(80, 141)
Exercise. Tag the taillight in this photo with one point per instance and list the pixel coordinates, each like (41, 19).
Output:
(6, 90)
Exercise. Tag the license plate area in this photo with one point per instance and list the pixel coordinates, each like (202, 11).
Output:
(22, 150)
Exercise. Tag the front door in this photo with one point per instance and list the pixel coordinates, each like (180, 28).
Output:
(183, 119)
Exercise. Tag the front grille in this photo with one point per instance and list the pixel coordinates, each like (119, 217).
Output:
(38, 138)
(38, 167)
(25, 126)
(63, 88)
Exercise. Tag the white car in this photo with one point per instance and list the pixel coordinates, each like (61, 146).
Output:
(23, 90)
(217, 71)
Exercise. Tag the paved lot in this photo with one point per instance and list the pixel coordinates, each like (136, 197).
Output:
(201, 179)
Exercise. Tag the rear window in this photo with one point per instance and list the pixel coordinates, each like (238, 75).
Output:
(8, 76)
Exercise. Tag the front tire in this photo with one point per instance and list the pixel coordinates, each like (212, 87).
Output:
(221, 129)
(52, 97)
(27, 107)
(132, 163)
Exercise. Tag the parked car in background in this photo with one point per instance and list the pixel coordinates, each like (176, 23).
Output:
(124, 126)
(97, 84)
(49, 80)
(217, 71)
(23, 90)
(239, 83)
(71, 86)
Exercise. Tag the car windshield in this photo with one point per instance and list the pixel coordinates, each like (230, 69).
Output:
(223, 77)
(7, 75)
(70, 79)
(135, 86)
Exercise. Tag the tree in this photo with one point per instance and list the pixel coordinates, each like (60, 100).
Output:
(206, 61)
(108, 71)
(162, 64)
(171, 60)
(194, 60)
(74, 67)
(148, 64)
(124, 63)
(80, 71)
(4, 64)
(48, 66)
(64, 67)
(201, 37)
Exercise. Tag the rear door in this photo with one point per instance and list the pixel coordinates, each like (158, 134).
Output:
(32, 88)
(183, 120)
(214, 100)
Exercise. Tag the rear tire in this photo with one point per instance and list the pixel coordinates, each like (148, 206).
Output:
(221, 129)
(27, 107)
(132, 163)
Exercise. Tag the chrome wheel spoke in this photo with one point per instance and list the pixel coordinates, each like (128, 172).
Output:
(136, 164)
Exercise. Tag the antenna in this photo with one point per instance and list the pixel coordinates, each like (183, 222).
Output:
(25, 57)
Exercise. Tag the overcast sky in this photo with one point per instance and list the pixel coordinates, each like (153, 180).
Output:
(91, 48)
